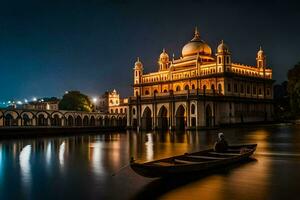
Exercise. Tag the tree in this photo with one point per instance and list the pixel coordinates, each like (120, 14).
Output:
(74, 100)
(294, 89)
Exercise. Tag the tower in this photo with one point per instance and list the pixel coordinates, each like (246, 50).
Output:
(163, 61)
(223, 58)
(261, 59)
(138, 73)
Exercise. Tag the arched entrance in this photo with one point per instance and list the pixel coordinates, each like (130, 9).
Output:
(147, 119)
(92, 121)
(78, 121)
(70, 121)
(26, 120)
(180, 118)
(163, 118)
(42, 121)
(55, 120)
(85, 121)
(9, 120)
(208, 116)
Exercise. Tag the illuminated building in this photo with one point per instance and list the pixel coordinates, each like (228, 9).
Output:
(110, 102)
(200, 89)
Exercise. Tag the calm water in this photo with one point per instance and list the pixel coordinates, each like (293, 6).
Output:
(81, 167)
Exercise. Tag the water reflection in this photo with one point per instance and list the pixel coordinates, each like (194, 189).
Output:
(96, 158)
(61, 154)
(89, 160)
(24, 160)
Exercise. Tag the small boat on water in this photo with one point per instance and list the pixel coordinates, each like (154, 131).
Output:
(193, 162)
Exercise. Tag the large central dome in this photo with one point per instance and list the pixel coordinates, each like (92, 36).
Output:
(195, 46)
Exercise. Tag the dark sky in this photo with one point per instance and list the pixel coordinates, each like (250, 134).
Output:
(48, 47)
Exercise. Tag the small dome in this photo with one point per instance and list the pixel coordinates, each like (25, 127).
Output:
(196, 46)
(138, 63)
(164, 55)
(260, 52)
(222, 48)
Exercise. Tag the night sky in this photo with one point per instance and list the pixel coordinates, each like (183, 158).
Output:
(48, 47)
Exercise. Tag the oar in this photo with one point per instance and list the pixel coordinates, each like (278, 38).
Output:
(131, 161)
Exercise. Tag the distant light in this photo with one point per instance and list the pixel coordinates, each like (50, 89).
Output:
(34, 99)
(19, 102)
(66, 92)
(95, 99)
(42, 100)
(25, 100)
(9, 102)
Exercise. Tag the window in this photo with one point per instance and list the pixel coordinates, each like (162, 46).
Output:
(229, 87)
(121, 110)
(193, 108)
(178, 88)
(219, 88)
(186, 87)
(242, 88)
(227, 59)
(146, 92)
(193, 87)
(165, 91)
(133, 111)
(111, 111)
(268, 91)
(235, 87)
(125, 110)
(116, 111)
(254, 89)
(155, 91)
(212, 87)
(219, 60)
(248, 89)
(259, 91)
(204, 88)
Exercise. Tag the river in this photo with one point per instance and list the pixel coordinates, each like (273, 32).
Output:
(82, 166)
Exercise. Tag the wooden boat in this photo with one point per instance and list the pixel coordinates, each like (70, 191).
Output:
(193, 162)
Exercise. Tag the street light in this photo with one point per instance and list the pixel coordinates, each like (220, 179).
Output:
(95, 99)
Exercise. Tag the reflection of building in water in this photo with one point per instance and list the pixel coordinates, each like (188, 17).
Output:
(200, 89)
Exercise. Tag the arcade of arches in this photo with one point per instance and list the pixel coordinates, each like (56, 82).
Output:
(60, 118)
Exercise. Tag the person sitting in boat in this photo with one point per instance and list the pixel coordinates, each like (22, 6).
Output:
(221, 145)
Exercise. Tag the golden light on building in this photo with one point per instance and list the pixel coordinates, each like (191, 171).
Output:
(200, 89)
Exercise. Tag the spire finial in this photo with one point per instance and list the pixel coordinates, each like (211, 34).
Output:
(260, 48)
(222, 41)
(197, 34)
(138, 59)
(164, 50)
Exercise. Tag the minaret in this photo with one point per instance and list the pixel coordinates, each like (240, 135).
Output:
(223, 58)
(163, 61)
(261, 59)
(138, 73)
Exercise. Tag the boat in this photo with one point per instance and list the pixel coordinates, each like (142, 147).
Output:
(193, 162)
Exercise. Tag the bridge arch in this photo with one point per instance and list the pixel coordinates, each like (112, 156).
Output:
(180, 117)
(147, 119)
(162, 118)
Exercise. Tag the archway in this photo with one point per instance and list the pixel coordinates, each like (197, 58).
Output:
(163, 118)
(92, 121)
(70, 121)
(85, 121)
(106, 121)
(55, 120)
(180, 118)
(147, 119)
(9, 120)
(208, 116)
(26, 120)
(78, 121)
(42, 121)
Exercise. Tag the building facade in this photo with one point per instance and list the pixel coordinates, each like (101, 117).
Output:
(110, 102)
(200, 89)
